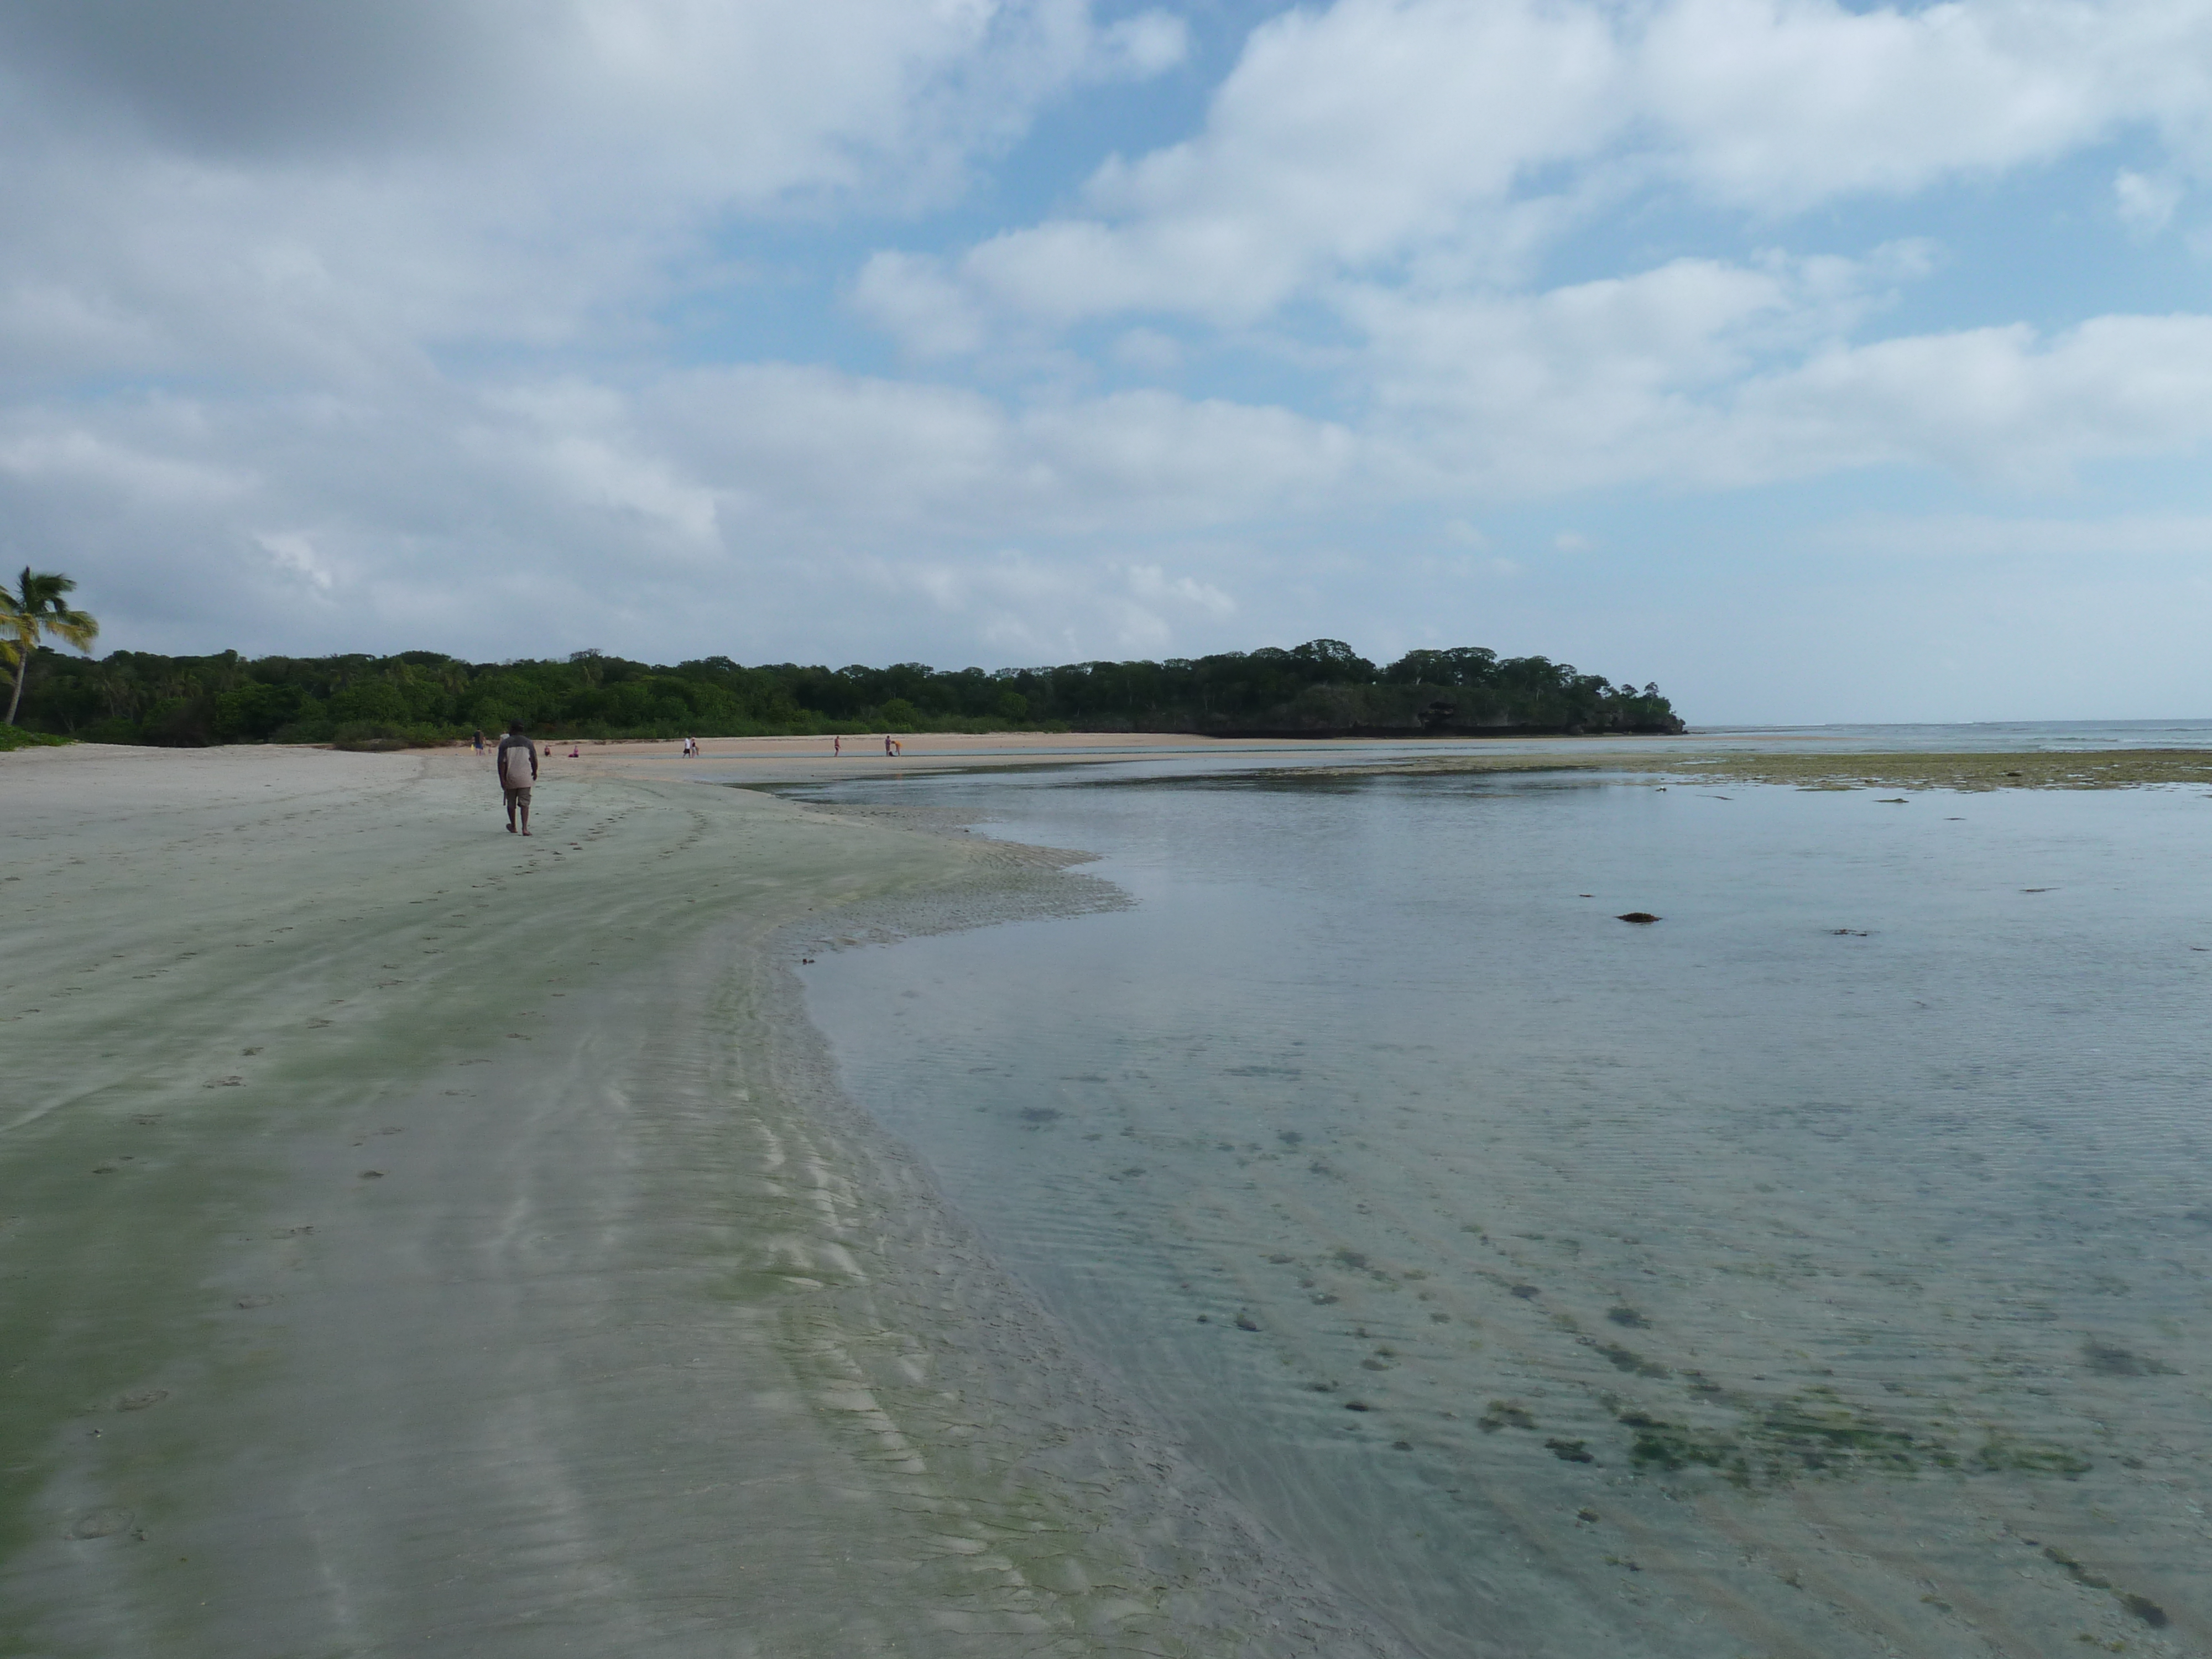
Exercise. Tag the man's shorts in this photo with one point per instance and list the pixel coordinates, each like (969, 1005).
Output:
(517, 797)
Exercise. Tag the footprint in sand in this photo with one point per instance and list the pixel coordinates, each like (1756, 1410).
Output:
(99, 1523)
(141, 1399)
(252, 1302)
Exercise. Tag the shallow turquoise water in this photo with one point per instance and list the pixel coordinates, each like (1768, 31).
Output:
(1820, 1269)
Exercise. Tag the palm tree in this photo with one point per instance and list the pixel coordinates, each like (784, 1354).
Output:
(38, 606)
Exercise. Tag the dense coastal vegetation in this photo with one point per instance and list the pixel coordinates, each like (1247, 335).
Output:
(1317, 689)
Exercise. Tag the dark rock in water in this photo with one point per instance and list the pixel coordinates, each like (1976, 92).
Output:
(2108, 1360)
(1246, 1323)
(1570, 1451)
(1638, 916)
(1527, 1292)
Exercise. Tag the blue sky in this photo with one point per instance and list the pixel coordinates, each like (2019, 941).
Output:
(1821, 363)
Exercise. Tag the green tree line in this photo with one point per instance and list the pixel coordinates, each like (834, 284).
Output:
(423, 697)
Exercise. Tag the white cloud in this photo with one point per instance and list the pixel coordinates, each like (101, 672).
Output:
(79, 462)
(806, 449)
(732, 103)
(1147, 44)
(2145, 203)
(1340, 138)
(296, 554)
(1035, 610)
(1706, 375)
(1150, 583)
(1778, 104)
(1998, 404)
(2087, 542)
(911, 297)
(579, 440)
(274, 194)
(1351, 141)
(1148, 351)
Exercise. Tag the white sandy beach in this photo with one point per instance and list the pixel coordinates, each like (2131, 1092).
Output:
(416, 1238)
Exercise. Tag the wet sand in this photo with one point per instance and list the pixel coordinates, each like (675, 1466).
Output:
(417, 1238)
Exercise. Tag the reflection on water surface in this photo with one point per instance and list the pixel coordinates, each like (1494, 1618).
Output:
(1820, 1270)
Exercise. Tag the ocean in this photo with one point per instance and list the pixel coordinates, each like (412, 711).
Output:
(1818, 1269)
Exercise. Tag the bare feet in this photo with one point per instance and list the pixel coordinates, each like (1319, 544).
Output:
(526, 832)
(510, 828)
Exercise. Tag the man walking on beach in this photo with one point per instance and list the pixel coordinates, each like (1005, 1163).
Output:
(518, 771)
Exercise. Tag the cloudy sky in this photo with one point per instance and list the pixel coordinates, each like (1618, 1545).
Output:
(1823, 362)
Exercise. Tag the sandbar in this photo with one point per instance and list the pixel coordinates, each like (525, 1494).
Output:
(415, 1237)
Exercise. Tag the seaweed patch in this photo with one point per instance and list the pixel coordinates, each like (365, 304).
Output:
(1815, 1434)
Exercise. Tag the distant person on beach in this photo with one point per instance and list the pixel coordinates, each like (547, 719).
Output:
(574, 753)
(890, 744)
(480, 740)
(518, 771)
(837, 746)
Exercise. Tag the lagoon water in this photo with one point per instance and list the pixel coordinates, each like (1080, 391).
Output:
(1820, 1270)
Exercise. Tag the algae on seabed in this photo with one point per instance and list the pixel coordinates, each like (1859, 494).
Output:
(2101, 768)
